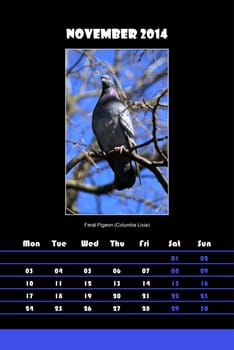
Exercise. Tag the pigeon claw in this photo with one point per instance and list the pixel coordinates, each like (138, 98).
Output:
(120, 149)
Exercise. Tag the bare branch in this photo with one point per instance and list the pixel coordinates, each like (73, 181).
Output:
(149, 142)
(154, 122)
(74, 161)
(80, 186)
(162, 138)
(147, 202)
(145, 105)
(76, 143)
(159, 98)
(143, 83)
(75, 64)
(85, 94)
(70, 211)
(152, 166)
(110, 69)
(92, 161)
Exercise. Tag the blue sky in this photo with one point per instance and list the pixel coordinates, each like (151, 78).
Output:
(135, 63)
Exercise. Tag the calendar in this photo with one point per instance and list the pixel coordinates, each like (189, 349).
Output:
(116, 283)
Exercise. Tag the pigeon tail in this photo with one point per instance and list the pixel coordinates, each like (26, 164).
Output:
(120, 185)
(124, 176)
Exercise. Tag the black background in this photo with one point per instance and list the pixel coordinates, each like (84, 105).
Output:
(201, 128)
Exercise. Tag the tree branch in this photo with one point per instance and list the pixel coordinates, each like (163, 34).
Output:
(154, 123)
(81, 157)
(74, 161)
(76, 143)
(75, 64)
(152, 166)
(149, 142)
(80, 186)
(138, 199)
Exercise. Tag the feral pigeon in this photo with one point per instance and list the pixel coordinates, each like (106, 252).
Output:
(113, 129)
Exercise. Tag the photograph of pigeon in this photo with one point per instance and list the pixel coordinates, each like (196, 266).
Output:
(116, 132)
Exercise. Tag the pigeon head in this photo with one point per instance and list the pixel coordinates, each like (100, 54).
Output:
(108, 88)
(106, 81)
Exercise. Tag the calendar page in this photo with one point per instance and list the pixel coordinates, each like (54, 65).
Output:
(135, 226)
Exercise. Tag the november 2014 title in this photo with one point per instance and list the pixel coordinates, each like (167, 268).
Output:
(116, 33)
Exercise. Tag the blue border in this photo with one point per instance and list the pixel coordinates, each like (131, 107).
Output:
(116, 339)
